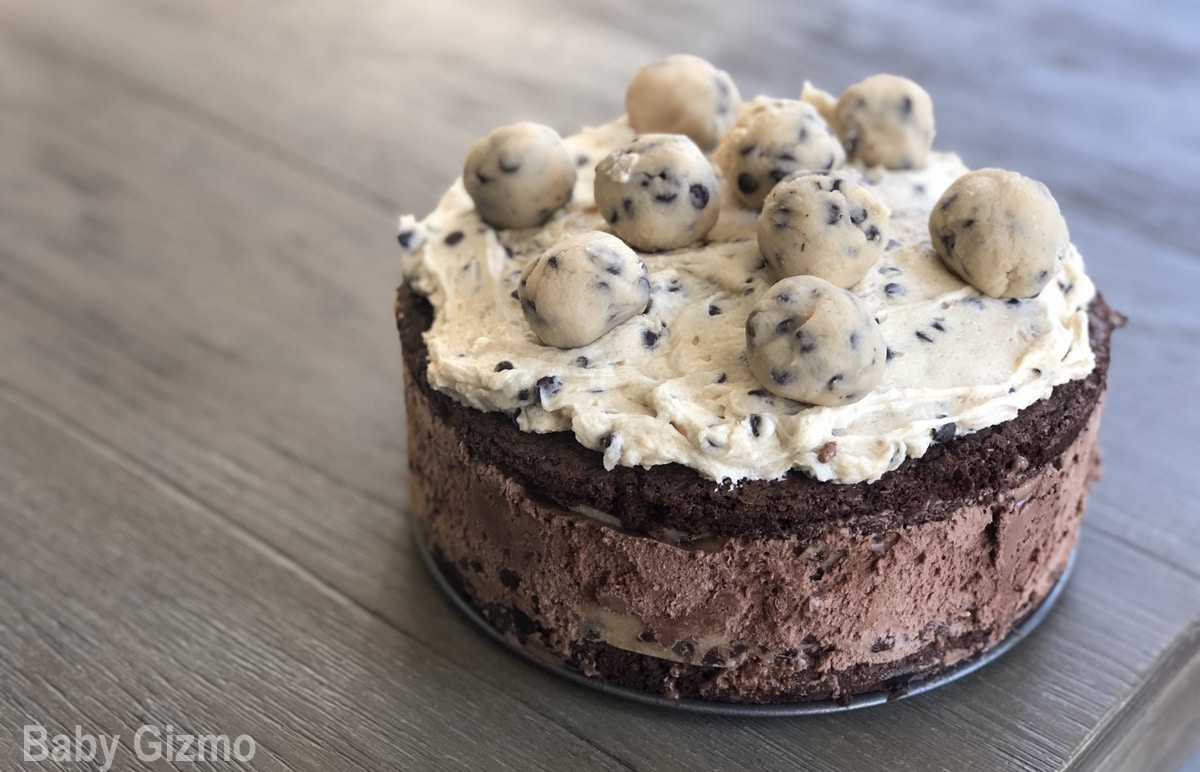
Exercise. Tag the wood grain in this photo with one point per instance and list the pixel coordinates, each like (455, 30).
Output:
(201, 435)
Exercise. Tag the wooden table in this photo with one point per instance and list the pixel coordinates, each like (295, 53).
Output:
(202, 455)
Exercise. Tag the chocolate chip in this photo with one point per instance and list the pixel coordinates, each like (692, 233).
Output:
(827, 452)
(698, 195)
(453, 238)
(606, 440)
(747, 150)
(721, 378)
(906, 107)
(503, 365)
(523, 395)
(777, 174)
(510, 579)
(548, 386)
(890, 354)
(666, 198)
(406, 239)
(883, 644)
(781, 377)
(833, 213)
(581, 362)
(892, 289)
(755, 423)
(945, 432)
(684, 649)
(746, 183)
(892, 244)
(924, 337)
(523, 623)
(714, 310)
(649, 338)
(833, 382)
(552, 261)
(873, 233)
(858, 215)
(627, 204)
(854, 341)
(937, 325)
(786, 326)
(712, 658)
(581, 160)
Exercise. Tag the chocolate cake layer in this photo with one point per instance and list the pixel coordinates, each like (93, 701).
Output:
(767, 591)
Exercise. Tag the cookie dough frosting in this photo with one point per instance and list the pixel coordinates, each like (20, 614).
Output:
(672, 385)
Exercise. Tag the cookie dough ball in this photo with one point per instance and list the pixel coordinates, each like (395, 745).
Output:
(659, 192)
(683, 94)
(999, 231)
(822, 225)
(581, 288)
(886, 120)
(813, 342)
(519, 175)
(772, 139)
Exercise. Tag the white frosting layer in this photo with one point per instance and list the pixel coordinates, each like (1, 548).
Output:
(672, 385)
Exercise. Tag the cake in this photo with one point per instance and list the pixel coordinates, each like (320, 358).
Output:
(627, 481)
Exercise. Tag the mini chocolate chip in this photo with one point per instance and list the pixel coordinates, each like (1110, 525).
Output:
(834, 381)
(786, 326)
(837, 185)
(858, 215)
(854, 341)
(453, 238)
(513, 295)
(892, 289)
(523, 395)
(721, 378)
(873, 233)
(647, 636)
(924, 337)
(698, 195)
(548, 386)
(892, 244)
(746, 183)
(503, 365)
(627, 204)
(552, 261)
(606, 440)
(713, 310)
(649, 338)
(761, 393)
(747, 150)
(712, 658)
(755, 422)
(483, 178)
(833, 213)
(405, 238)
(781, 377)
(777, 175)
(581, 362)
(613, 217)
(937, 325)
(890, 354)
(906, 106)
(945, 432)
(970, 223)
(1013, 302)
(974, 301)
(666, 198)
(581, 160)
(523, 623)
(949, 202)
(883, 644)
(509, 168)
(684, 650)
(510, 579)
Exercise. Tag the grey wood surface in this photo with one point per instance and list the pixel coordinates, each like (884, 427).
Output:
(202, 486)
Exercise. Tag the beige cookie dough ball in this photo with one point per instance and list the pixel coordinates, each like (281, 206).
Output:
(582, 287)
(1001, 232)
(659, 192)
(886, 120)
(519, 175)
(772, 139)
(683, 94)
(811, 341)
(822, 225)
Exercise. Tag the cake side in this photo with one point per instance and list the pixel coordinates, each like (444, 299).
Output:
(825, 610)
(822, 611)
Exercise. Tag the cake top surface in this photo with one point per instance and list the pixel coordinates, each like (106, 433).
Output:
(673, 385)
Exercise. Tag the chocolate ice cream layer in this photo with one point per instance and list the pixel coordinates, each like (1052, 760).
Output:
(769, 591)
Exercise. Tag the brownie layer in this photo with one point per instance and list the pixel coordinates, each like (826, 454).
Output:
(831, 590)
